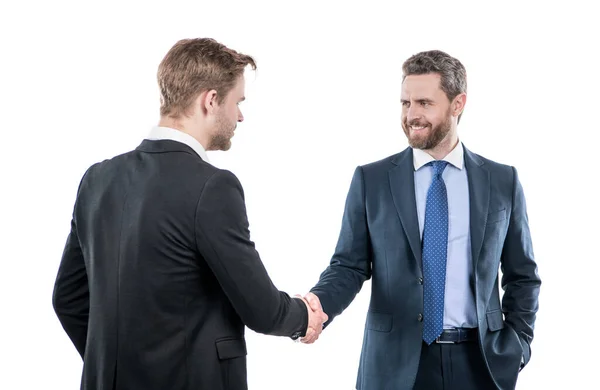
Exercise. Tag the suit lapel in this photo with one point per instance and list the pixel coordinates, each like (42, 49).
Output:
(479, 200)
(402, 183)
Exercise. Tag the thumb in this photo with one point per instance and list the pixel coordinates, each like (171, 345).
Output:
(313, 301)
(315, 305)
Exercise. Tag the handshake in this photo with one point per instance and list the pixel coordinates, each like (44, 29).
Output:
(316, 318)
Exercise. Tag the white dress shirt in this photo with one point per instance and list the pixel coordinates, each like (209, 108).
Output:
(160, 133)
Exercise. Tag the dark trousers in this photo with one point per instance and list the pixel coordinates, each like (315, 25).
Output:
(453, 367)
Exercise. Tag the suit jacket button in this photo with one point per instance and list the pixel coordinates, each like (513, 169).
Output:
(420, 280)
(420, 317)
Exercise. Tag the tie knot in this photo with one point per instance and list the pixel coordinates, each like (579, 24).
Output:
(438, 166)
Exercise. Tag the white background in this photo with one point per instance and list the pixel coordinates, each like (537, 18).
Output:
(77, 85)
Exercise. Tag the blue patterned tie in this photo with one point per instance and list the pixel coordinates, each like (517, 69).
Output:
(435, 248)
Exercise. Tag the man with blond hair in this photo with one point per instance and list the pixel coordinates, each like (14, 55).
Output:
(159, 275)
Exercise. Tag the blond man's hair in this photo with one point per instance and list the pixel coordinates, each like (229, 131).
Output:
(193, 66)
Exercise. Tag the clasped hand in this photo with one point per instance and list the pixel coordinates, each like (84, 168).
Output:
(316, 318)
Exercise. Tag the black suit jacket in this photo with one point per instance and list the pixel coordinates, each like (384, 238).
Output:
(159, 276)
(379, 239)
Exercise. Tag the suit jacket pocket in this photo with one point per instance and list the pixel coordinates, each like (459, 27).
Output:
(231, 348)
(496, 216)
(232, 362)
(495, 320)
(380, 322)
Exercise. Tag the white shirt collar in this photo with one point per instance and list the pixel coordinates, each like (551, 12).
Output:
(455, 157)
(159, 132)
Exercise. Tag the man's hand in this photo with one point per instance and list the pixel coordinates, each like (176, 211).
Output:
(316, 318)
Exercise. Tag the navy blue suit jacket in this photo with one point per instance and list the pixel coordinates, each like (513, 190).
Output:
(380, 239)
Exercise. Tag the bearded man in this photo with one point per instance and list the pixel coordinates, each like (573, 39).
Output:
(432, 226)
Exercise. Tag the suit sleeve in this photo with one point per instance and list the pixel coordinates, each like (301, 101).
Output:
(350, 264)
(223, 239)
(71, 295)
(520, 279)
